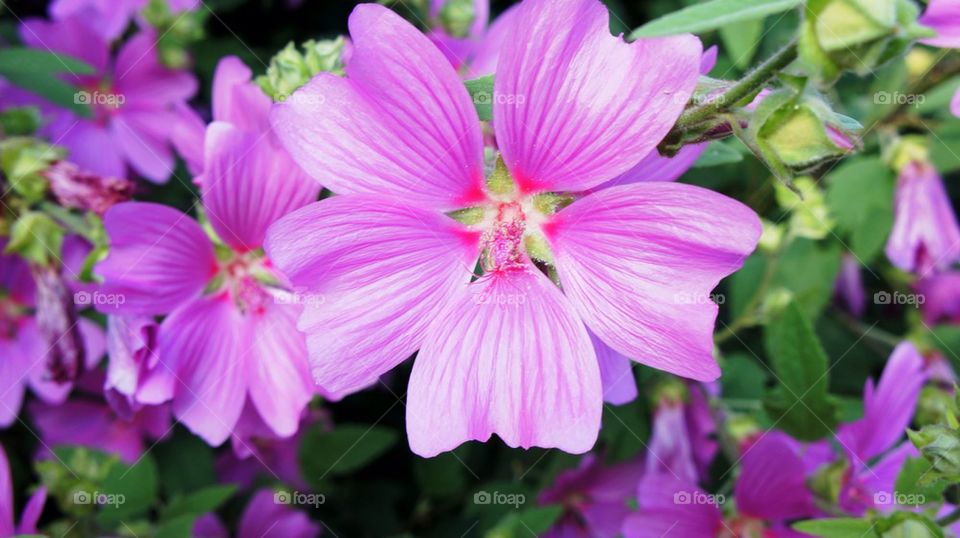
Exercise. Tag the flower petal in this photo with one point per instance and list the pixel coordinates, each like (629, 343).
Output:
(158, 258)
(639, 261)
(205, 343)
(280, 382)
(668, 509)
(143, 80)
(944, 17)
(888, 410)
(402, 124)
(506, 356)
(575, 106)
(143, 136)
(68, 36)
(6, 496)
(90, 146)
(375, 275)
(655, 167)
(248, 183)
(616, 374)
(772, 484)
(236, 99)
(486, 53)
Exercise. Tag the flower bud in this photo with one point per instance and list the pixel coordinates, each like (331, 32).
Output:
(457, 17)
(856, 35)
(809, 215)
(796, 132)
(57, 321)
(934, 405)
(36, 238)
(19, 121)
(828, 481)
(23, 160)
(290, 68)
(79, 189)
(941, 446)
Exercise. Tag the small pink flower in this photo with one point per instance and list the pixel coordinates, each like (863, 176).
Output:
(925, 235)
(944, 17)
(510, 352)
(31, 512)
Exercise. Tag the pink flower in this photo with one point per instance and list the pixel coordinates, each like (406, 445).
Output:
(230, 331)
(109, 18)
(23, 346)
(925, 235)
(132, 100)
(91, 423)
(770, 491)
(682, 441)
(944, 17)
(132, 348)
(509, 352)
(849, 286)
(594, 497)
(31, 512)
(262, 518)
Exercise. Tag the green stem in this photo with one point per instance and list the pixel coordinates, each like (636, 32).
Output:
(751, 83)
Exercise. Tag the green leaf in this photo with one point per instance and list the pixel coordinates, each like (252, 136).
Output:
(177, 528)
(945, 148)
(134, 487)
(743, 378)
(800, 401)
(530, 522)
(186, 464)
(481, 92)
(343, 450)
(442, 477)
(716, 154)
(37, 71)
(199, 502)
(808, 269)
(908, 487)
(741, 40)
(29, 60)
(836, 528)
(712, 15)
(860, 198)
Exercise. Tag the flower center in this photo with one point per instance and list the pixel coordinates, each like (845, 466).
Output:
(246, 277)
(503, 240)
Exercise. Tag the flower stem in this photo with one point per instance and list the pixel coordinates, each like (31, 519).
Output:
(950, 518)
(752, 82)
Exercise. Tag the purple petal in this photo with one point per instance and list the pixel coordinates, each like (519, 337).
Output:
(266, 518)
(616, 374)
(672, 508)
(402, 124)
(925, 233)
(670, 450)
(888, 410)
(236, 99)
(187, 136)
(207, 344)
(772, 483)
(955, 105)
(143, 136)
(280, 382)
(849, 286)
(655, 167)
(6, 496)
(89, 424)
(13, 380)
(941, 293)
(91, 147)
(248, 183)
(944, 17)
(570, 111)
(31, 512)
(158, 258)
(108, 18)
(375, 275)
(506, 356)
(71, 37)
(144, 81)
(486, 53)
(639, 261)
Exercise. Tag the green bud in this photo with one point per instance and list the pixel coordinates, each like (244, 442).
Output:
(19, 121)
(797, 131)
(907, 525)
(810, 216)
(670, 390)
(935, 405)
(742, 427)
(856, 35)
(941, 446)
(772, 237)
(290, 68)
(23, 160)
(906, 150)
(37, 238)
(827, 482)
(457, 17)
